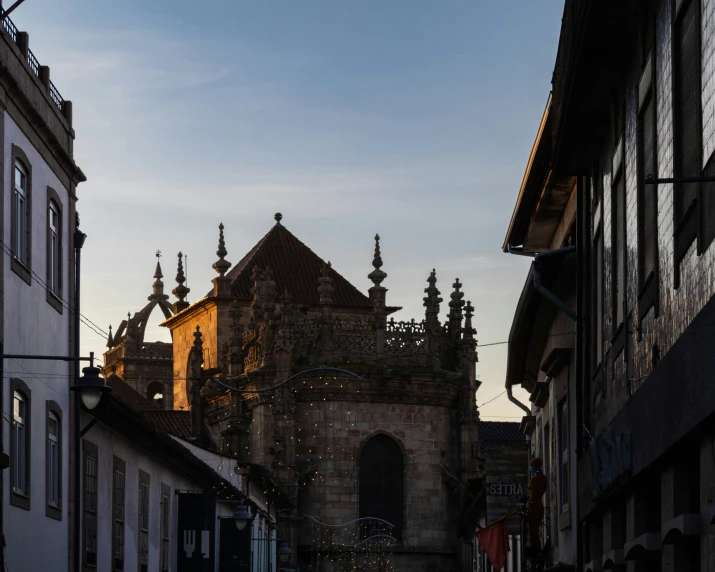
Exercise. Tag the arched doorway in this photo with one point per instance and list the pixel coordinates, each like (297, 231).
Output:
(382, 481)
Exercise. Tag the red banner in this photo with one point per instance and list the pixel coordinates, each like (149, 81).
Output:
(495, 542)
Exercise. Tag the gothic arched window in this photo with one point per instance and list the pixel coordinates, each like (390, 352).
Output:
(382, 481)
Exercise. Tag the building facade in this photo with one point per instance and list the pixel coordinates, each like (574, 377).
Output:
(38, 195)
(542, 340)
(633, 122)
(378, 455)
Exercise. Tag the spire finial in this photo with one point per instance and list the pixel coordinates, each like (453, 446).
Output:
(278, 217)
(158, 286)
(377, 275)
(221, 265)
(325, 285)
(110, 339)
(180, 291)
(432, 300)
(157, 274)
(456, 303)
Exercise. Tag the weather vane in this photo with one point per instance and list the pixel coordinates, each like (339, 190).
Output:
(158, 254)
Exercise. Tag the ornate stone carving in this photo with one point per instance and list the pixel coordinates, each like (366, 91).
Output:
(325, 286)
(221, 265)
(180, 291)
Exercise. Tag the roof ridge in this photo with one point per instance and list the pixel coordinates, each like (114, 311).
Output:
(296, 267)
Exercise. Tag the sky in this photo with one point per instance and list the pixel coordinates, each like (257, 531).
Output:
(413, 119)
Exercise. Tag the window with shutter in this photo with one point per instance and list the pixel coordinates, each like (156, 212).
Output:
(618, 207)
(647, 194)
(687, 122)
(707, 211)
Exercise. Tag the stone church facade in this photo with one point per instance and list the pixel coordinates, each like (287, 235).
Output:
(291, 372)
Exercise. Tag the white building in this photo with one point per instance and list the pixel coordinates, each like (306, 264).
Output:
(152, 500)
(38, 196)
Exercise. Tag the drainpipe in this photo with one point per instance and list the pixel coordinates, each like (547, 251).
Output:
(516, 402)
(541, 289)
(79, 238)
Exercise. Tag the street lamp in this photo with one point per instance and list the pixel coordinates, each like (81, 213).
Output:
(284, 552)
(91, 387)
(242, 516)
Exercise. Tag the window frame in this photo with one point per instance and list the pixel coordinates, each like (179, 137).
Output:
(22, 264)
(90, 499)
(143, 500)
(55, 270)
(165, 528)
(618, 251)
(119, 497)
(648, 285)
(564, 472)
(53, 508)
(598, 301)
(20, 497)
(685, 224)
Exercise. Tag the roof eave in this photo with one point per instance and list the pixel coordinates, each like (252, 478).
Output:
(529, 184)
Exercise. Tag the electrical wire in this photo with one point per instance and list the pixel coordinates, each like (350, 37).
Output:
(33, 275)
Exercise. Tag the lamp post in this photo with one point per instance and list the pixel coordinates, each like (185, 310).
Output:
(284, 552)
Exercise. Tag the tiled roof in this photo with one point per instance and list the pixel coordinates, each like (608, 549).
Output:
(500, 432)
(150, 350)
(157, 350)
(125, 393)
(174, 422)
(295, 267)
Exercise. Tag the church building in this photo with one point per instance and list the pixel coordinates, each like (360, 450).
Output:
(367, 425)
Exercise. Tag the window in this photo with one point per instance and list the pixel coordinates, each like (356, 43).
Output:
(118, 514)
(164, 524)
(647, 194)
(546, 459)
(53, 462)
(19, 421)
(381, 481)
(563, 419)
(618, 249)
(20, 213)
(687, 112)
(143, 521)
(53, 249)
(20, 445)
(90, 505)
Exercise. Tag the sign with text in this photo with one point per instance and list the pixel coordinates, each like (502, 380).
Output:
(197, 530)
(506, 489)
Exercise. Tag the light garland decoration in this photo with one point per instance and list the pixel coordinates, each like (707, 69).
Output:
(365, 544)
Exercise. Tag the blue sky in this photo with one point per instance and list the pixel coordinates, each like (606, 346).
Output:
(413, 119)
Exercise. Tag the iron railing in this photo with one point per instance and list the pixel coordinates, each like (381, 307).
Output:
(10, 28)
(56, 97)
(34, 64)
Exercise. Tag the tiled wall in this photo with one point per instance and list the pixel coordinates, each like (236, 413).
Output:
(677, 308)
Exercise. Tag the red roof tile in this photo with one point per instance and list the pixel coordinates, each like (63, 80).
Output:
(125, 393)
(174, 422)
(296, 268)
